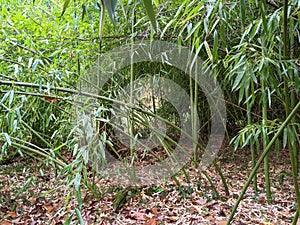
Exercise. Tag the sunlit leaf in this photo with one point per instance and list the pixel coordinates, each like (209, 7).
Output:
(79, 216)
(7, 137)
(243, 10)
(111, 6)
(216, 46)
(150, 12)
(66, 4)
(208, 51)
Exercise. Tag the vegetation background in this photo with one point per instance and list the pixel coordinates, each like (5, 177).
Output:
(252, 47)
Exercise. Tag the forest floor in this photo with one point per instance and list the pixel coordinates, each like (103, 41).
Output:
(27, 197)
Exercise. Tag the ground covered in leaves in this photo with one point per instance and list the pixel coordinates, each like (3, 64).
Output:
(29, 197)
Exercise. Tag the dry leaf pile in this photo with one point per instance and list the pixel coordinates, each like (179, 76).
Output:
(26, 197)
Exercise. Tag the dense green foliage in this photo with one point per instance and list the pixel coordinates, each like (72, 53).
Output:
(252, 47)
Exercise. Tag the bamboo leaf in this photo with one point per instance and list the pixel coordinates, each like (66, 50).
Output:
(69, 220)
(67, 200)
(77, 181)
(79, 216)
(111, 6)
(83, 11)
(7, 137)
(11, 97)
(208, 51)
(285, 134)
(27, 183)
(119, 200)
(216, 46)
(79, 198)
(238, 79)
(243, 10)
(66, 4)
(150, 13)
(156, 2)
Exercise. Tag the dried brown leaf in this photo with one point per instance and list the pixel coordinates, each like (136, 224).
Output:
(222, 222)
(151, 221)
(5, 222)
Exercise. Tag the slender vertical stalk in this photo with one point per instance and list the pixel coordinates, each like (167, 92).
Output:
(289, 100)
(101, 24)
(193, 87)
(261, 158)
(253, 150)
(194, 106)
(132, 77)
(293, 99)
(249, 103)
(264, 131)
(264, 87)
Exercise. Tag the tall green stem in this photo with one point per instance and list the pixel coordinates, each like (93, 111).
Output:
(264, 87)
(253, 150)
(264, 133)
(288, 102)
(131, 122)
(261, 158)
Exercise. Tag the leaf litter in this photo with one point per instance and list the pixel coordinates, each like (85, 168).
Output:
(26, 197)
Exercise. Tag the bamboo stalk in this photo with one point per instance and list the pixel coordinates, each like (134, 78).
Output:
(261, 158)
(253, 150)
(288, 102)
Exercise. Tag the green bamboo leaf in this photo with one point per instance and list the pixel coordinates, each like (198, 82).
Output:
(246, 142)
(111, 6)
(150, 12)
(208, 51)
(243, 10)
(79, 216)
(269, 97)
(255, 29)
(216, 46)
(47, 192)
(263, 13)
(11, 97)
(291, 134)
(77, 181)
(156, 2)
(11, 121)
(166, 27)
(67, 200)
(69, 220)
(119, 199)
(24, 188)
(238, 79)
(236, 143)
(66, 4)
(30, 62)
(193, 13)
(241, 92)
(4, 97)
(79, 198)
(7, 137)
(83, 11)
(285, 134)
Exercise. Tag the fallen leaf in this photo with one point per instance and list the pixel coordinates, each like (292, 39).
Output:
(210, 218)
(5, 222)
(172, 218)
(11, 214)
(139, 216)
(154, 211)
(222, 222)
(51, 99)
(151, 221)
